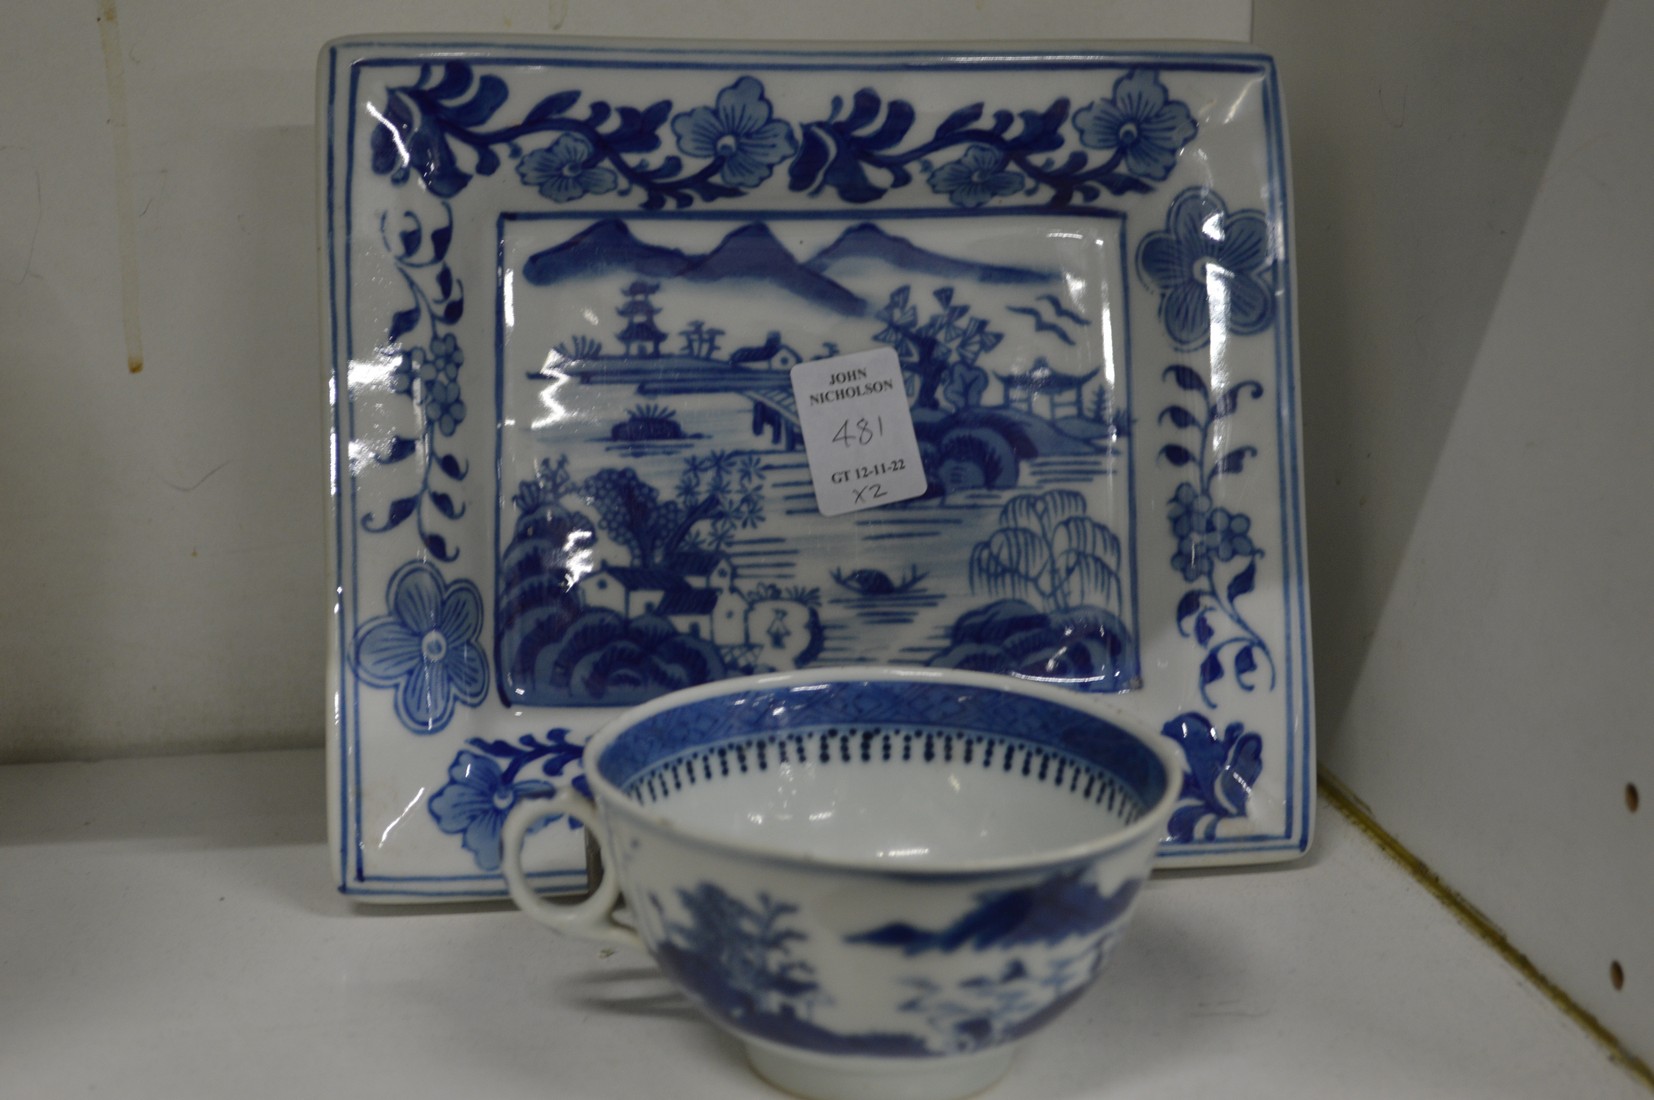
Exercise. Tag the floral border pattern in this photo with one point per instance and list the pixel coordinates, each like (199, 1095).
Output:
(1212, 268)
(442, 128)
(1215, 550)
(427, 375)
(484, 783)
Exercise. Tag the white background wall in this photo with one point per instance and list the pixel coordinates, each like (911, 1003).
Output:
(1473, 188)
(1472, 181)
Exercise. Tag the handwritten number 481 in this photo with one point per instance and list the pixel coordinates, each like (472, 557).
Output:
(861, 434)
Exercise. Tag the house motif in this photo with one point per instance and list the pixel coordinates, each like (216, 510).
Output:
(720, 619)
(691, 611)
(772, 354)
(702, 568)
(628, 590)
(693, 590)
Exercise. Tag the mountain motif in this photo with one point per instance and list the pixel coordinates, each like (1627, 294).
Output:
(1047, 912)
(604, 247)
(866, 244)
(752, 252)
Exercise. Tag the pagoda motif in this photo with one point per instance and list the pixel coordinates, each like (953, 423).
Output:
(1060, 388)
(641, 337)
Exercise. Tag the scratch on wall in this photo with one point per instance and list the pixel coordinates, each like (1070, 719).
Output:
(109, 34)
(34, 233)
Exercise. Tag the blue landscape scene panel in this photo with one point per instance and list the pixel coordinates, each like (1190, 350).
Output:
(653, 523)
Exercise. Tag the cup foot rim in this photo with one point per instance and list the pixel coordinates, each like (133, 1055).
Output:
(826, 1078)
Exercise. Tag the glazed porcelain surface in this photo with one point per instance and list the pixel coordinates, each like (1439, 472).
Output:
(566, 285)
(879, 879)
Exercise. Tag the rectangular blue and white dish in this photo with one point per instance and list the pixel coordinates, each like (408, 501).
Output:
(565, 285)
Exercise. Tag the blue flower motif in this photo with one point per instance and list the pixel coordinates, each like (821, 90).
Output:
(437, 370)
(426, 647)
(1208, 266)
(1193, 557)
(474, 802)
(1190, 511)
(1228, 535)
(1223, 536)
(1222, 770)
(738, 132)
(565, 170)
(1195, 525)
(442, 361)
(1205, 533)
(1144, 128)
(977, 176)
(444, 406)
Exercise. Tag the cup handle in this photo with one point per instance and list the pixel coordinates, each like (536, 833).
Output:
(592, 917)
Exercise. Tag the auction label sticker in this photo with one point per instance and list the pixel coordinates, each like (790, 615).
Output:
(858, 432)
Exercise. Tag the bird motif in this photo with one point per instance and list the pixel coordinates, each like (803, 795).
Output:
(1041, 324)
(1057, 309)
(1059, 313)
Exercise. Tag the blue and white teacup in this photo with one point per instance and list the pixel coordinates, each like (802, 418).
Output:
(879, 879)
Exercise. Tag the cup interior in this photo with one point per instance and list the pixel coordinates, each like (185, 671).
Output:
(917, 773)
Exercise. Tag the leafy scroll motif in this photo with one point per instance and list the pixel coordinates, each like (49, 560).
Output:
(485, 782)
(1215, 551)
(1139, 129)
(426, 374)
(1223, 767)
(438, 129)
(442, 128)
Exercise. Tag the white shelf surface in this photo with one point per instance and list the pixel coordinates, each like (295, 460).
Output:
(168, 929)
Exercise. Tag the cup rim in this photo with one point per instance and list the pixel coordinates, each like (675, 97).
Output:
(611, 799)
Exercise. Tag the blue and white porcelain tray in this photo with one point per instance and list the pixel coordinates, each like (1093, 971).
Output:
(565, 285)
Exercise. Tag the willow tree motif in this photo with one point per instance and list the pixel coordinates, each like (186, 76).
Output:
(1047, 549)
